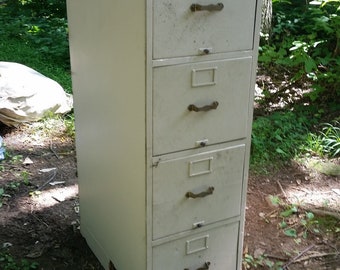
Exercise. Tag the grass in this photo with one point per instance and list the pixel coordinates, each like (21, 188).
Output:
(277, 138)
(45, 49)
(325, 143)
(287, 135)
(16, 50)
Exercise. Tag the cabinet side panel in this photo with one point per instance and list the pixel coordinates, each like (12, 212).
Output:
(107, 45)
(257, 24)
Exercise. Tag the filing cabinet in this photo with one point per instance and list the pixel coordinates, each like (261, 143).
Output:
(163, 94)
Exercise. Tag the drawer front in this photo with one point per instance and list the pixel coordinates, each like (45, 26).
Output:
(214, 178)
(217, 247)
(179, 31)
(177, 87)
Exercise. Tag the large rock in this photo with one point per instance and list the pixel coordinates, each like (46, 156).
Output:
(26, 95)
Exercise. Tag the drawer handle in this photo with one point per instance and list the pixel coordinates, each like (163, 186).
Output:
(211, 7)
(204, 267)
(209, 191)
(212, 106)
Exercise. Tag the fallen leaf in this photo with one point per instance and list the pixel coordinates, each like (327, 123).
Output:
(290, 232)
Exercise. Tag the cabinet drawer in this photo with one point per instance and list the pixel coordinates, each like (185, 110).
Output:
(177, 87)
(178, 31)
(217, 247)
(215, 176)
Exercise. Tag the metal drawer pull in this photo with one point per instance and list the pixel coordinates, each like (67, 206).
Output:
(209, 191)
(204, 267)
(205, 108)
(211, 7)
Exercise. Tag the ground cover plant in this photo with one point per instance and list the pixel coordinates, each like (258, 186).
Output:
(301, 95)
(292, 217)
(35, 33)
(305, 39)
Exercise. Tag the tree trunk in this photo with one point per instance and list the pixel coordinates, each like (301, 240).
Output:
(266, 17)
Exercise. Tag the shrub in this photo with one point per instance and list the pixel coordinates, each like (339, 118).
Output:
(277, 138)
(306, 40)
(42, 24)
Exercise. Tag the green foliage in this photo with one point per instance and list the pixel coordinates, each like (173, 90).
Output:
(306, 40)
(290, 232)
(39, 24)
(325, 143)
(250, 262)
(2, 192)
(39, 8)
(7, 190)
(282, 136)
(25, 177)
(8, 262)
(289, 211)
(305, 222)
(69, 122)
(36, 40)
(276, 138)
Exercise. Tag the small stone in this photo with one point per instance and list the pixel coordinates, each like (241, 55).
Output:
(27, 161)
(258, 252)
(7, 245)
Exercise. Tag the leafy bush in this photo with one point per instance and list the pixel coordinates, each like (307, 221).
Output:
(39, 8)
(41, 24)
(36, 38)
(277, 138)
(306, 40)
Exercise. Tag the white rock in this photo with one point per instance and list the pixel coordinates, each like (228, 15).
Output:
(27, 161)
(26, 95)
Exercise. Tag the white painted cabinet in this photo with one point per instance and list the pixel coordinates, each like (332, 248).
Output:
(163, 94)
(224, 82)
(179, 30)
(218, 173)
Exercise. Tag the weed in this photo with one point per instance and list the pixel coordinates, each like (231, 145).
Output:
(325, 143)
(69, 125)
(25, 177)
(305, 222)
(12, 186)
(309, 224)
(276, 138)
(331, 139)
(7, 190)
(2, 192)
(328, 224)
(8, 262)
(14, 159)
(250, 262)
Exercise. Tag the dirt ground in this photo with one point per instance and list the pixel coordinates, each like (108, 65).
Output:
(317, 243)
(39, 217)
(40, 221)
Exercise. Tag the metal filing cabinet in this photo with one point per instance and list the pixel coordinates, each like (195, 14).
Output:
(163, 93)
